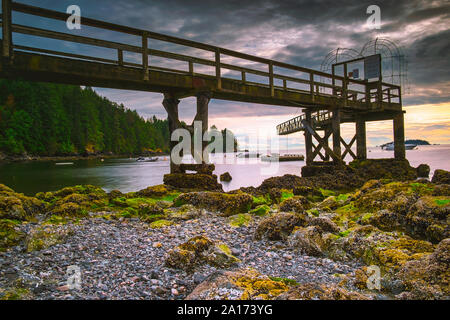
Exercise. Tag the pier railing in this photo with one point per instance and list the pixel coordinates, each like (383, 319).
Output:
(295, 124)
(312, 82)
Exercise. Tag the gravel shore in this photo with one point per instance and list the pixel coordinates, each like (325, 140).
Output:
(125, 260)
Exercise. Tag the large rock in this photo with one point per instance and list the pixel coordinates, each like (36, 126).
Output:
(307, 240)
(318, 291)
(279, 226)
(16, 206)
(226, 177)
(198, 251)
(154, 191)
(324, 224)
(193, 181)
(241, 284)
(226, 204)
(297, 204)
(428, 277)
(423, 171)
(410, 207)
(248, 284)
(441, 177)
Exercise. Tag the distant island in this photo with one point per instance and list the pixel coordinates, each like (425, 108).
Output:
(411, 141)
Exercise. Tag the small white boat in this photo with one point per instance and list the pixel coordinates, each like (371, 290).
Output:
(248, 155)
(64, 163)
(390, 146)
(274, 157)
(151, 159)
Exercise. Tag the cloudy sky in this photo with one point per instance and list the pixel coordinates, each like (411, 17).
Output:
(298, 32)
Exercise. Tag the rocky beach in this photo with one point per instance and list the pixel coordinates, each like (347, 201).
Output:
(313, 237)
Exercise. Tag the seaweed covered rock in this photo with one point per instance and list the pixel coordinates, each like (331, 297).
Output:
(399, 170)
(324, 224)
(198, 251)
(115, 194)
(441, 177)
(410, 207)
(279, 226)
(288, 181)
(428, 277)
(318, 291)
(10, 234)
(297, 204)
(195, 181)
(423, 171)
(93, 192)
(153, 191)
(226, 204)
(16, 206)
(307, 241)
(74, 201)
(247, 284)
(226, 177)
(390, 251)
(307, 192)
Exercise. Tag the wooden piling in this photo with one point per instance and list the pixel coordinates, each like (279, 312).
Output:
(361, 147)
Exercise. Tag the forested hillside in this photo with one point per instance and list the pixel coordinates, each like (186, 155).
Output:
(43, 119)
(52, 120)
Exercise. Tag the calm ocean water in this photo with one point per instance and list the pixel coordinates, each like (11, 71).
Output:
(128, 175)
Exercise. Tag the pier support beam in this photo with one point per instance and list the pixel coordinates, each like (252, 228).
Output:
(308, 139)
(171, 105)
(7, 46)
(326, 136)
(361, 147)
(336, 127)
(399, 136)
(203, 99)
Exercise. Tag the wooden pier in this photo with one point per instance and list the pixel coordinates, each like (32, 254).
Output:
(328, 98)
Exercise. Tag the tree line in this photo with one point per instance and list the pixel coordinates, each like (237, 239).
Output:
(44, 119)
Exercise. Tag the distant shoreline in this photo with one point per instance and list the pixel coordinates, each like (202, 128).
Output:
(12, 159)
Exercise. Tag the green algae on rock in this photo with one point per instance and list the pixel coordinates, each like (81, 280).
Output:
(226, 204)
(261, 210)
(46, 236)
(239, 220)
(10, 235)
(16, 206)
(200, 250)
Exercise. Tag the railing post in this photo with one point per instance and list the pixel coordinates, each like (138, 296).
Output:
(191, 68)
(243, 77)
(6, 29)
(344, 85)
(272, 89)
(311, 85)
(308, 140)
(333, 82)
(145, 55)
(218, 76)
(120, 56)
(336, 127)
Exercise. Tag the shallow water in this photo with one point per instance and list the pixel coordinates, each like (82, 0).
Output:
(128, 175)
